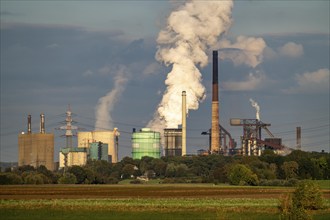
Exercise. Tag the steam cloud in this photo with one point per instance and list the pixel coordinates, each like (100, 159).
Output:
(246, 50)
(257, 107)
(106, 103)
(191, 30)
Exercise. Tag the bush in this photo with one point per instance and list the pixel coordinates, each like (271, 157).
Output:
(79, 172)
(67, 178)
(10, 178)
(292, 182)
(277, 182)
(35, 178)
(112, 180)
(241, 175)
(307, 196)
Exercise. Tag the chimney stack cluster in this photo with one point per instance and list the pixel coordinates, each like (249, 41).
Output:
(42, 124)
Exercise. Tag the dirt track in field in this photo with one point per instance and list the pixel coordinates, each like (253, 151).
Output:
(141, 191)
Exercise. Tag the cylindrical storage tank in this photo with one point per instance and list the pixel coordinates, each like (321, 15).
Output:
(145, 143)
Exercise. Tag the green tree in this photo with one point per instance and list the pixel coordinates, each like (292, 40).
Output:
(159, 166)
(25, 168)
(79, 172)
(91, 176)
(307, 196)
(51, 177)
(10, 178)
(99, 171)
(262, 169)
(34, 178)
(242, 175)
(181, 170)
(67, 178)
(219, 174)
(170, 170)
(145, 164)
(128, 171)
(319, 167)
(290, 169)
(199, 167)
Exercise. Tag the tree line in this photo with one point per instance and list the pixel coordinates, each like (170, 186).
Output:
(268, 169)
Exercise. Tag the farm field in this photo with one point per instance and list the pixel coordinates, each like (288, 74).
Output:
(200, 201)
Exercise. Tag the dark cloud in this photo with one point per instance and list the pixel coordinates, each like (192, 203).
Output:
(8, 13)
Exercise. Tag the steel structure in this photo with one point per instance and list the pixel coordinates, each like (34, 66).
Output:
(226, 141)
(68, 127)
(251, 140)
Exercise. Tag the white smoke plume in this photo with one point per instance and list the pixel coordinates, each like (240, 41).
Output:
(291, 49)
(191, 30)
(106, 103)
(246, 50)
(253, 81)
(257, 107)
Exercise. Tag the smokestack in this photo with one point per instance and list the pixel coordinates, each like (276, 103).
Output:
(29, 130)
(298, 130)
(215, 140)
(42, 123)
(184, 124)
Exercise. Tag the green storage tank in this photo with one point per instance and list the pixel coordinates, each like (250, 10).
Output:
(145, 143)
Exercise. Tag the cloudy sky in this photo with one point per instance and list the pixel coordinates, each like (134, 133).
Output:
(100, 57)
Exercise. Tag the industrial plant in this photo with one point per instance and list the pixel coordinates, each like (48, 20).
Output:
(94, 145)
(37, 149)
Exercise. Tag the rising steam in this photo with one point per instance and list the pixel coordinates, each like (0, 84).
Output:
(191, 30)
(257, 107)
(246, 50)
(106, 103)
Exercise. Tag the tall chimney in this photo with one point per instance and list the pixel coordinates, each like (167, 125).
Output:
(42, 123)
(184, 124)
(29, 130)
(298, 131)
(215, 140)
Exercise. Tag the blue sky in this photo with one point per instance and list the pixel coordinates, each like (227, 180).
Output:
(55, 53)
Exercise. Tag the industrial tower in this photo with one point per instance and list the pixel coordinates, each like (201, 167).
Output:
(68, 127)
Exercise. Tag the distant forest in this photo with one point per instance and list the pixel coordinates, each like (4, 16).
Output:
(268, 169)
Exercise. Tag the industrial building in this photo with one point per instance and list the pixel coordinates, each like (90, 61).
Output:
(72, 156)
(78, 156)
(251, 140)
(36, 149)
(98, 151)
(173, 141)
(145, 143)
(107, 137)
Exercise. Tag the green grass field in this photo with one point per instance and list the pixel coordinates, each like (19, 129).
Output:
(178, 201)
(324, 184)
